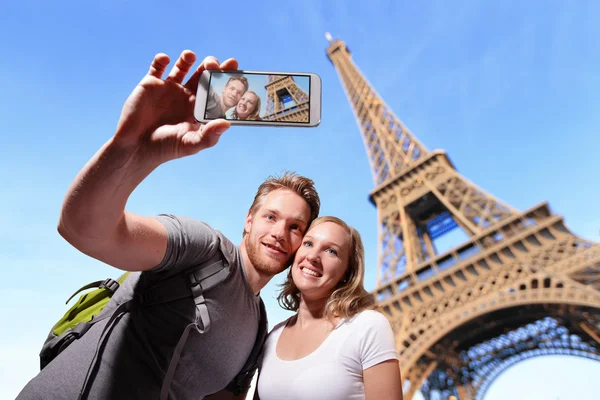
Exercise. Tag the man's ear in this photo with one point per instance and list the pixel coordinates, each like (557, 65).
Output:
(248, 222)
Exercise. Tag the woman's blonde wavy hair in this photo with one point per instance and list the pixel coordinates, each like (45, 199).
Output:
(349, 297)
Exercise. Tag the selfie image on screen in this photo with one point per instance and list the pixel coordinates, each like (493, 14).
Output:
(258, 97)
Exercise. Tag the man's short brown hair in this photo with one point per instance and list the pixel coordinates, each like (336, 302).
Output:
(241, 79)
(302, 186)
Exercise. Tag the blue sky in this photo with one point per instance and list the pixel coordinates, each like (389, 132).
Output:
(510, 90)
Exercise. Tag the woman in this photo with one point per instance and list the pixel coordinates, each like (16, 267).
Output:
(248, 107)
(336, 346)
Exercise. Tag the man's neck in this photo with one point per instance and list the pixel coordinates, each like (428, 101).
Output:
(256, 280)
(223, 106)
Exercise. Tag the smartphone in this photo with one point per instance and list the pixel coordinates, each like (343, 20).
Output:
(259, 98)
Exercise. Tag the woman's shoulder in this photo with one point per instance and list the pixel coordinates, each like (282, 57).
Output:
(368, 335)
(369, 317)
(373, 315)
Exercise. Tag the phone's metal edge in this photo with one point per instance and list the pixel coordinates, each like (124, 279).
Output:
(315, 106)
(200, 103)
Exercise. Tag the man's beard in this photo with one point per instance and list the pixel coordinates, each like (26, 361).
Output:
(263, 264)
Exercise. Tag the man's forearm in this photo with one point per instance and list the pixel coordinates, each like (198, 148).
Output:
(95, 202)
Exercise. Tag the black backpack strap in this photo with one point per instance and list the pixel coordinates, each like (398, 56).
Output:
(200, 279)
(121, 310)
(53, 347)
(206, 276)
(241, 383)
(108, 283)
(210, 273)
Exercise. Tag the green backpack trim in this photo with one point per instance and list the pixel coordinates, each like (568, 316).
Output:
(89, 304)
(77, 320)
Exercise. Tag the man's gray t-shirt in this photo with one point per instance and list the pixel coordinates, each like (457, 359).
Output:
(139, 349)
(214, 109)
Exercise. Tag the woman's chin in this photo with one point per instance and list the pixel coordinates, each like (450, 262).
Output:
(304, 286)
(308, 287)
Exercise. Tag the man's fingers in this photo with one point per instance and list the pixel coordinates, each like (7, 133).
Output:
(159, 65)
(209, 63)
(212, 131)
(215, 127)
(230, 64)
(192, 83)
(204, 138)
(182, 66)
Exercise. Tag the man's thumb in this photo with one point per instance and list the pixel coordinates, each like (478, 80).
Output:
(216, 127)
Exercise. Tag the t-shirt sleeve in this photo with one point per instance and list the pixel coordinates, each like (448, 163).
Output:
(189, 243)
(377, 341)
(213, 106)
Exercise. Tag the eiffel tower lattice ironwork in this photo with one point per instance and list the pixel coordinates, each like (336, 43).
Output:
(522, 285)
(286, 101)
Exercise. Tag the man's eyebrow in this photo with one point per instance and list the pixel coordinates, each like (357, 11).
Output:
(268, 210)
(298, 218)
(301, 219)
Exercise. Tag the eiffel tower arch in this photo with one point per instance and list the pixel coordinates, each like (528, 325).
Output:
(521, 286)
(286, 101)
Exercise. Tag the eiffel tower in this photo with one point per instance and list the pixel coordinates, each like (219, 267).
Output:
(521, 286)
(286, 101)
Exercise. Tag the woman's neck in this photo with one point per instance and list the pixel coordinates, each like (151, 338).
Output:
(310, 311)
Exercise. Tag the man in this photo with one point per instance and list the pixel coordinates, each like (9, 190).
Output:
(135, 358)
(234, 89)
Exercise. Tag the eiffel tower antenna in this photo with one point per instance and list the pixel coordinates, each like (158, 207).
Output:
(521, 286)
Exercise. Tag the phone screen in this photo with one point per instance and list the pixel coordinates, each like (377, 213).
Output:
(261, 97)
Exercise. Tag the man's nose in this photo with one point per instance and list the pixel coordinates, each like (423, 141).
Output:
(278, 231)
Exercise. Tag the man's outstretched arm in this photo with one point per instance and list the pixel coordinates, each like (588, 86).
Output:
(156, 125)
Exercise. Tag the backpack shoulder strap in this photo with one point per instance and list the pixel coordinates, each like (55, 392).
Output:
(198, 279)
(201, 278)
(108, 283)
(227, 248)
(241, 383)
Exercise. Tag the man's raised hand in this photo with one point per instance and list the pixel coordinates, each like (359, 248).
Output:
(157, 120)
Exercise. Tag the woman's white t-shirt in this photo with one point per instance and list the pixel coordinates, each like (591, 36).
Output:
(334, 370)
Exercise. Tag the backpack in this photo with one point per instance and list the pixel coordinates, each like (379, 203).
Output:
(190, 283)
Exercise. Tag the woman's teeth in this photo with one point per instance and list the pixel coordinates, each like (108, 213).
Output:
(310, 272)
